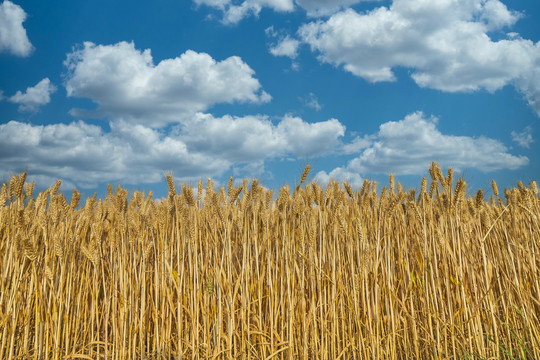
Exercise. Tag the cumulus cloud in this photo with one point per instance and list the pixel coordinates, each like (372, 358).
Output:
(86, 155)
(13, 37)
(81, 152)
(410, 145)
(34, 97)
(254, 138)
(134, 153)
(340, 175)
(286, 46)
(125, 83)
(232, 13)
(138, 98)
(446, 43)
(358, 144)
(524, 138)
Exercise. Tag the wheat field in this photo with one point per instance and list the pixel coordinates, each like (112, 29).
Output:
(241, 272)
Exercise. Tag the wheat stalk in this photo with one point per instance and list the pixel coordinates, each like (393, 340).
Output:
(317, 273)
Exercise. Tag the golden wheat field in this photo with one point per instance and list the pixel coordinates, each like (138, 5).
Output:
(242, 273)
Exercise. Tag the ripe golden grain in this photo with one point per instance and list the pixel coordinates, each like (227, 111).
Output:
(319, 273)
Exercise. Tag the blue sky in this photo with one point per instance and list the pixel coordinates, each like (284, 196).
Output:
(123, 92)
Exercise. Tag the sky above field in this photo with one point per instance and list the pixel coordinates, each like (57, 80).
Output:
(123, 92)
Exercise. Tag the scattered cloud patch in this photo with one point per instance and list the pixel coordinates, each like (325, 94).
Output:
(311, 101)
(340, 175)
(233, 14)
(446, 44)
(524, 138)
(34, 97)
(125, 83)
(13, 38)
(286, 46)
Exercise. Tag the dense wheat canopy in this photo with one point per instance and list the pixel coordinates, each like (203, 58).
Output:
(240, 272)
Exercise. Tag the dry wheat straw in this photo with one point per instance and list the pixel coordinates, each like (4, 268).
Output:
(319, 273)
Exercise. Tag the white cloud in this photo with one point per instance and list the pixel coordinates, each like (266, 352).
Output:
(445, 42)
(529, 85)
(524, 138)
(410, 145)
(286, 46)
(126, 84)
(310, 139)
(255, 138)
(232, 13)
(311, 101)
(236, 11)
(34, 97)
(130, 153)
(249, 171)
(325, 7)
(138, 98)
(219, 4)
(340, 175)
(86, 155)
(496, 15)
(358, 144)
(13, 37)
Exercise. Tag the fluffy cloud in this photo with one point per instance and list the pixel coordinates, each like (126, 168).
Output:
(255, 138)
(138, 98)
(13, 37)
(233, 13)
(524, 138)
(133, 153)
(34, 97)
(410, 145)
(286, 46)
(529, 85)
(340, 175)
(358, 144)
(86, 156)
(445, 42)
(125, 83)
